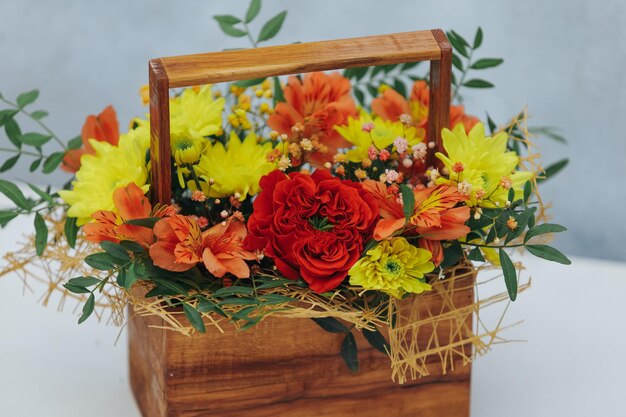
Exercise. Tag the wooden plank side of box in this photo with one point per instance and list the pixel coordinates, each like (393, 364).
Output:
(283, 366)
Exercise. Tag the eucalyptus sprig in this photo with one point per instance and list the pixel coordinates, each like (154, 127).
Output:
(238, 27)
(463, 62)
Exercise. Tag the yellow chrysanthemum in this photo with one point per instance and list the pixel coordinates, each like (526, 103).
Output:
(382, 135)
(102, 173)
(236, 168)
(395, 267)
(195, 113)
(479, 164)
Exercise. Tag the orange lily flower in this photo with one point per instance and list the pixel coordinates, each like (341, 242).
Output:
(103, 128)
(391, 105)
(223, 250)
(435, 216)
(315, 105)
(130, 203)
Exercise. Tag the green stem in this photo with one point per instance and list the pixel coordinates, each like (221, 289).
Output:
(22, 152)
(491, 246)
(249, 36)
(39, 122)
(463, 75)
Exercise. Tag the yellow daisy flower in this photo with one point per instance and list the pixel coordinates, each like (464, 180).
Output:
(481, 166)
(100, 174)
(382, 135)
(234, 168)
(195, 113)
(393, 266)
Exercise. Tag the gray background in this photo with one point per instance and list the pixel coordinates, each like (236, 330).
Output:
(566, 60)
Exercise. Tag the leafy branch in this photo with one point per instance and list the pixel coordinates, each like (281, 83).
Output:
(238, 27)
(463, 61)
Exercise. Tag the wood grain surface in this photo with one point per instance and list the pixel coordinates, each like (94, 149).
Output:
(285, 367)
(189, 70)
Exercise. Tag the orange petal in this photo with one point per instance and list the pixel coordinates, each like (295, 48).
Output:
(162, 254)
(131, 202)
(387, 227)
(213, 264)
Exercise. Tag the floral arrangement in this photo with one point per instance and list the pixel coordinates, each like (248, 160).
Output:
(325, 184)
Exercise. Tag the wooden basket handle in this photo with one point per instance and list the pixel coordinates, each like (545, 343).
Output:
(190, 70)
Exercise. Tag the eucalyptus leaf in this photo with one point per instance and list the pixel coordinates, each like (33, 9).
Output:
(10, 163)
(71, 231)
(272, 27)
(52, 162)
(253, 10)
(14, 194)
(330, 324)
(349, 352)
(548, 253)
(88, 308)
(510, 274)
(27, 98)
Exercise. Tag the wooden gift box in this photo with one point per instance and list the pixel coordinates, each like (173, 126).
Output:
(288, 367)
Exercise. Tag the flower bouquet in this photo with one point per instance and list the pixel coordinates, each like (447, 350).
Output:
(359, 199)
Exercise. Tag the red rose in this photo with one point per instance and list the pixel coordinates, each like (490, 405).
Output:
(313, 226)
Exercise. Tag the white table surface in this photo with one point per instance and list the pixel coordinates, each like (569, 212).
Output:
(571, 365)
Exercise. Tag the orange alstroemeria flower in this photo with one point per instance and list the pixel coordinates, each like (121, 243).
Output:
(179, 243)
(103, 128)
(181, 246)
(316, 104)
(435, 216)
(130, 203)
(391, 105)
(223, 249)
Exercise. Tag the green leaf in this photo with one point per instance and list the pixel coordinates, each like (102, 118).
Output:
(14, 194)
(52, 162)
(276, 299)
(528, 189)
(549, 253)
(35, 164)
(554, 169)
(510, 274)
(253, 10)
(41, 234)
(39, 114)
(457, 44)
(330, 324)
(476, 255)
(115, 250)
(460, 38)
(478, 38)
(349, 353)
(194, 318)
(234, 290)
(548, 132)
(452, 254)
(238, 301)
(492, 124)
(35, 139)
(9, 163)
(6, 217)
(84, 282)
(543, 229)
(360, 96)
(88, 308)
(132, 246)
(13, 131)
(399, 86)
(279, 95)
(477, 83)
(76, 289)
(25, 99)
(408, 65)
(272, 27)
(249, 83)
(41, 193)
(131, 278)
(75, 143)
(71, 231)
(408, 201)
(372, 90)
(226, 23)
(6, 115)
(456, 61)
(101, 261)
(485, 63)
(377, 340)
(148, 222)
